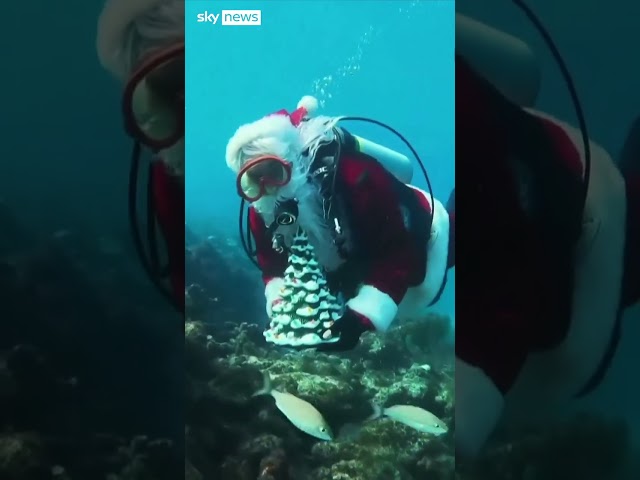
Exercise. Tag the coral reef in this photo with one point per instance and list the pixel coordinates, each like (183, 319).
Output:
(216, 272)
(231, 435)
(92, 383)
(79, 398)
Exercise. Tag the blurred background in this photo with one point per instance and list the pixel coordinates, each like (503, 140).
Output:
(595, 40)
(91, 357)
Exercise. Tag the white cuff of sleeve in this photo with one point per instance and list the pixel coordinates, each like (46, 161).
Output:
(272, 291)
(376, 305)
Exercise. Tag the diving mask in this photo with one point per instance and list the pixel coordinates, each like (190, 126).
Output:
(153, 100)
(262, 176)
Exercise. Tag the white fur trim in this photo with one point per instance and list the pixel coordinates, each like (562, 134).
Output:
(272, 291)
(270, 126)
(310, 104)
(550, 378)
(113, 22)
(376, 305)
(437, 252)
(479, 406)
(418, 298)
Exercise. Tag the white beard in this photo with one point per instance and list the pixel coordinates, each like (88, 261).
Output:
(311, 135)
(310, 217)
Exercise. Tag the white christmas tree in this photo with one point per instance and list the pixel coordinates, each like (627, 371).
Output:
(307, 309)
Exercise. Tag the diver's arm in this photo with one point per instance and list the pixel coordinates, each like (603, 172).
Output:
(272, 264)
(391, 251)
(504, 60)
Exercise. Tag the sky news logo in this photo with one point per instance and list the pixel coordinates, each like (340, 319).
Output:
(232, 17)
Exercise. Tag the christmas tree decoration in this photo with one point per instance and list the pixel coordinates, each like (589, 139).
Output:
(306, 309)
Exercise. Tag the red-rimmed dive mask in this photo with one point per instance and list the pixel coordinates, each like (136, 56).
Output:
(153, 100)
(262, 176)
(153, 111)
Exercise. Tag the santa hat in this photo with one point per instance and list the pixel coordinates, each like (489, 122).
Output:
(115, 19)
(281, 124)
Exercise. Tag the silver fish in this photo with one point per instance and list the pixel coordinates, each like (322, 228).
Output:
(414, 417)
(301, 413)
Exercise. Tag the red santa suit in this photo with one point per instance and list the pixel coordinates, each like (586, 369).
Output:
(540, 283)
(168, 196)
(167, 190)
(405, 274)
(401, 265)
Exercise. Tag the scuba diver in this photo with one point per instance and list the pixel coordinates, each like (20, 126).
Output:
(141, 43)
(549, 241)
(385, 245)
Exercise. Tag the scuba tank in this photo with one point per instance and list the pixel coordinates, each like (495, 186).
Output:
(394, 162)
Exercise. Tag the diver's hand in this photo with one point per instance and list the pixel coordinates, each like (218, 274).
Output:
(350, 328)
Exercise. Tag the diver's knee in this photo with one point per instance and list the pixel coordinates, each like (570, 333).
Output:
(478, 408)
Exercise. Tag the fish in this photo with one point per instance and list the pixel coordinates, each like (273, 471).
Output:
(300, 413)
(411, 416)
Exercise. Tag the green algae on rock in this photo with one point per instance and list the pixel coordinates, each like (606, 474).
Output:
(306, 309)
(340, 386)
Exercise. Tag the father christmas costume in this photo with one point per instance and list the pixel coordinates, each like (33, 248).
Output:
(391, 265)
(157, 74)
(543, 281)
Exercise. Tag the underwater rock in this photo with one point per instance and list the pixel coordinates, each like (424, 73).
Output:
(221, 281)
(384, 449)
(149, 458)
(262, 458)
(74, 385)
(259, 442)
(190, 472)
(22, 456)
(274, 466)
(383, 351)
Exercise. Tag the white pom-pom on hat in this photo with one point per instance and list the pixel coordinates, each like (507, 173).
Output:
(309, 103)
(114, 23)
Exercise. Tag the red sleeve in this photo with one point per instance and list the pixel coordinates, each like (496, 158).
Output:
(168, 195)
(516, 266)
(492, 321)
(272, 263)
(382, 236)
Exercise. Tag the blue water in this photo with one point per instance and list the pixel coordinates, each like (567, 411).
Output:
(358, 58)
(67, 157)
